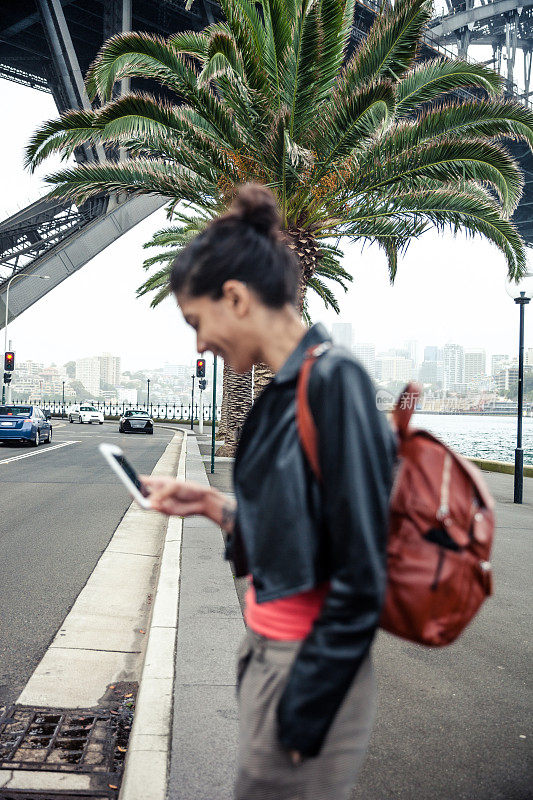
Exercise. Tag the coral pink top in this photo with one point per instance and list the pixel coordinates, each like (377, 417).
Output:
(288, 618)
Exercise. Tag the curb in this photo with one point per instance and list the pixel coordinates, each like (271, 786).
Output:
(150, 741)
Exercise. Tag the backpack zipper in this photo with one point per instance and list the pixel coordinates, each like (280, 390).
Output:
(444, 508)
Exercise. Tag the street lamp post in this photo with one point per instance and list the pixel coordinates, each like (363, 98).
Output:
(148, 396)
(10, 281)
(63, 412)
(521, 292)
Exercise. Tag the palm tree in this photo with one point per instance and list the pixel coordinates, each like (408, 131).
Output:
(188, 225)
(366, 147)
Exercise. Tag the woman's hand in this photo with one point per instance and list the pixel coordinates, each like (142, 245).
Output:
(186, 498)
(172, 497)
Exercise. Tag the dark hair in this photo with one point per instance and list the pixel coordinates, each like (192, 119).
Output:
(245, 244)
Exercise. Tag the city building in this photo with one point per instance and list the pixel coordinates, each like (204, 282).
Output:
(431, 371)
(529, 356)
(341, 333)
(365, 353)
(391, 368)
(411, 347)
(180, 371)
(109, 369)
(475, 365)
(454, 367)
(497, 362)
(88, 374)
(431, 353)
(126, 395)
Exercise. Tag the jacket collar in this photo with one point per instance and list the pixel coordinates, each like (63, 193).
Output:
(290, 369)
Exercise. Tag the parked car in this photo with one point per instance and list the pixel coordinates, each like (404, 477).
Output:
(136, 421)
(24, 424)
(86, 413)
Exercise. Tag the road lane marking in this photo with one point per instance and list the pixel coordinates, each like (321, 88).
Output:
(37, 452)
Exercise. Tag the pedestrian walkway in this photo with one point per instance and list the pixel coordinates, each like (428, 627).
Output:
(204, 738)
(451, 721)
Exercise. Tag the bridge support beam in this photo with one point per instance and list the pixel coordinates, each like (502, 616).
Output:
(74, 253)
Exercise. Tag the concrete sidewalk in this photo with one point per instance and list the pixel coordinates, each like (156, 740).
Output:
(210, 625)
(451, 722)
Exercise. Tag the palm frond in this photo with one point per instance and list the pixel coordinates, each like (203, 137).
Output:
(63, 136)
(390, 47)
(432, 79)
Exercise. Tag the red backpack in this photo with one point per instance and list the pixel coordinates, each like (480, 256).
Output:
(441, 526)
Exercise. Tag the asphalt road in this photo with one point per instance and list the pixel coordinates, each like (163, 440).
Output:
(59, 507)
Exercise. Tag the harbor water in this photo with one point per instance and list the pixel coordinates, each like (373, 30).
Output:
(479, 436)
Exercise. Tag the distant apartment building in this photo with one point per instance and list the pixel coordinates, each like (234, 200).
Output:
(88, 374)
(431, 353)
(497, 362)
(29, 367)
(411, 347)
(475, 365)
(507, 377)
(529, 356)
(109, 369)
(454, 367)
(126, 395)
(431, 371)
(391, 368)
(341, 333)
(180, 371)
(365, 352)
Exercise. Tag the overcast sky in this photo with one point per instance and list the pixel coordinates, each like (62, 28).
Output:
(447, 289)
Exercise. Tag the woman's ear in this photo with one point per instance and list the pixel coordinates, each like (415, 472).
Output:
(237, 296)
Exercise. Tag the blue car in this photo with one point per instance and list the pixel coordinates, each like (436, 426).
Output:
(24, 424)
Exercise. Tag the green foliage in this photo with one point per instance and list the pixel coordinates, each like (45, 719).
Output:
(173, 239)
(350, 146)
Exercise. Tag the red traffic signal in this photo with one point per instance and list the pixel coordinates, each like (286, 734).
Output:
(9, 361)
(200, 367)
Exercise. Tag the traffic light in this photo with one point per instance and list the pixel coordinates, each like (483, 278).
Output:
(9, 361)
(200, 367)
(202, 383)
(7, 377)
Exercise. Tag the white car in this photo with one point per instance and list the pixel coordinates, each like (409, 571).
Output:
(86, 413)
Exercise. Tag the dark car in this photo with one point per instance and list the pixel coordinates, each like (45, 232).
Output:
(136, 421)
(24, 424)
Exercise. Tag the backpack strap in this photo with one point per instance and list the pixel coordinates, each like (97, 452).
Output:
(405, 406)
(307, 429)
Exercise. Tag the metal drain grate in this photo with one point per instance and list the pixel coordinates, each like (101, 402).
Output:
(60, 740)
(89, 741)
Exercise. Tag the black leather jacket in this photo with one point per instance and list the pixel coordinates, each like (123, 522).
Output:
(292, 533)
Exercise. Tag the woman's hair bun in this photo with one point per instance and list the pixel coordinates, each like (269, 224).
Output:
(256, 206)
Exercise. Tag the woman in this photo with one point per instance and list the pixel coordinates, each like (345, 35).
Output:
(315, 553)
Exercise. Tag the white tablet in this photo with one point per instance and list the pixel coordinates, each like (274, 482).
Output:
(121, 466)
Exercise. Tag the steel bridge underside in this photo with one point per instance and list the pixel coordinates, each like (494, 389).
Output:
(49, 45)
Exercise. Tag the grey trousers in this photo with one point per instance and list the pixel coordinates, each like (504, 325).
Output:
(265, 770)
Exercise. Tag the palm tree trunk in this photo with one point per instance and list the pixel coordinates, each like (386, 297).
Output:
(304, 244)
(262, 377)
(222, 428)
(239, 403)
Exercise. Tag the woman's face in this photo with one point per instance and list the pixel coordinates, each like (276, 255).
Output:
(223, 326)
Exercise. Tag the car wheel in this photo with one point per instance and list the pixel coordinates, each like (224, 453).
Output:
(70, 419)
(49, 436)
(101, 423)
(37, 441)
(151, 432)
(81, 421)
(90, 422)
